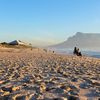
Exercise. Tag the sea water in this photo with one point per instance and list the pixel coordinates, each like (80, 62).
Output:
(66, 51)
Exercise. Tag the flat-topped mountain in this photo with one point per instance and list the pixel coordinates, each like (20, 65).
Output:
(82, 40)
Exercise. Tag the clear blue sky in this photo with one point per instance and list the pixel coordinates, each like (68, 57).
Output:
(47, 21)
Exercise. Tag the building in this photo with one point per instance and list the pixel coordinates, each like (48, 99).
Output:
(18, 42)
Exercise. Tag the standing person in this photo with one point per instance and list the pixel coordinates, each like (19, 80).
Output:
(75, 52)
(78, 52)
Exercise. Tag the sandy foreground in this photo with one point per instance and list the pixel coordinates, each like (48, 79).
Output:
(27, 74)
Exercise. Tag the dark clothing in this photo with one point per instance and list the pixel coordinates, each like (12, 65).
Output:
(77, 52)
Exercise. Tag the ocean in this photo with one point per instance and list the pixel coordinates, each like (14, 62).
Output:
(94, 53)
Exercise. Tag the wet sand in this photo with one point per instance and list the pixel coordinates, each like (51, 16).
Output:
(27, 74)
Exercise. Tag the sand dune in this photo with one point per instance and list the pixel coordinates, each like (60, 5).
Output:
(36, 74)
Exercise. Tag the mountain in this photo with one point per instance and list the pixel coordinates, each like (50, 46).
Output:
(81, 40)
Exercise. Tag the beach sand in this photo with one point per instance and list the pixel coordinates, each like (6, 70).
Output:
(38, 74)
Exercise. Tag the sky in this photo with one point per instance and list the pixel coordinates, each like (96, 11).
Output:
(47, 22)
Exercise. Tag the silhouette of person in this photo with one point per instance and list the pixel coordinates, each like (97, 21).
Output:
(77, 52)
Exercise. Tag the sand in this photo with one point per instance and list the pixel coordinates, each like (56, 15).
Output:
(36, 74)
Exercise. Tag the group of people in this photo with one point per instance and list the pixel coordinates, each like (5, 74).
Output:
(77, 51)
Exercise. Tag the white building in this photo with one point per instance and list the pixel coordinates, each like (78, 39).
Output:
(18, 42)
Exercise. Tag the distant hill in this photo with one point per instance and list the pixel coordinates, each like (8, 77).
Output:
(81, 40)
